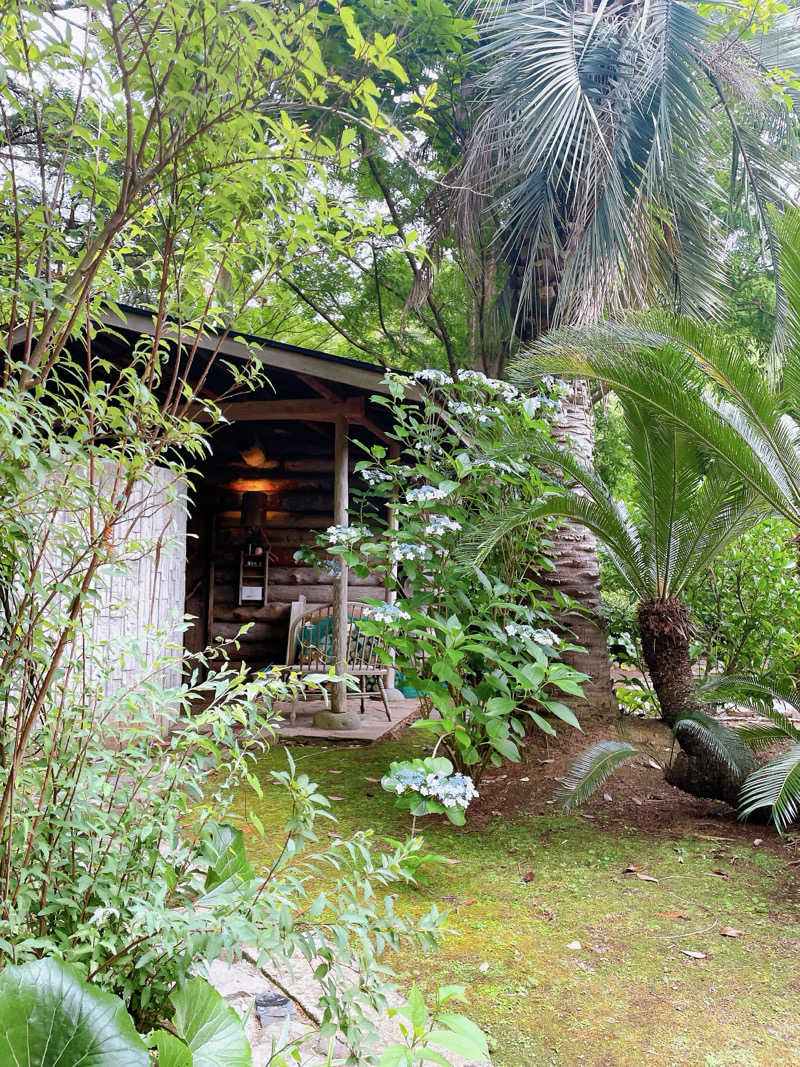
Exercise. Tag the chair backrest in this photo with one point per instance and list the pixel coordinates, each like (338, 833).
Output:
(311, 639)
(297, 608)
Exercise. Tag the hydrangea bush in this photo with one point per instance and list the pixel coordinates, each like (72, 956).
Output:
(429, 785)
(477, 644)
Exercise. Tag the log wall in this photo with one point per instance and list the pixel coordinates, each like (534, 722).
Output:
(299, 488)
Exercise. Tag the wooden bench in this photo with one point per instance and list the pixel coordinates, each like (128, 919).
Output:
(310, 648)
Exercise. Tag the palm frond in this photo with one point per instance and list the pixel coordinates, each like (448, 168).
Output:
(667, 365)
(776, 786)
(723, 742)
(590, 769)
(760, 697)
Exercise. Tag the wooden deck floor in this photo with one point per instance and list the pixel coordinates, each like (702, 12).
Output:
(374, 724)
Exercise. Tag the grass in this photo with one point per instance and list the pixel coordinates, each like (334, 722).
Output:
(628, 995)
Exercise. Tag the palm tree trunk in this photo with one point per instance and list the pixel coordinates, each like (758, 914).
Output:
(577, 573)
(664, 627)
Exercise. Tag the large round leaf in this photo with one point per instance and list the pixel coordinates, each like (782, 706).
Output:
(210, 1027)
(50, 1017)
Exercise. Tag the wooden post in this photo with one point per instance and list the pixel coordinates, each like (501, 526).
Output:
(340, 518)
(392, 692)
(339, 717)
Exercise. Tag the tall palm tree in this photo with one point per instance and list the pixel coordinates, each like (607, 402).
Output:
(595, 154)
(685, 511)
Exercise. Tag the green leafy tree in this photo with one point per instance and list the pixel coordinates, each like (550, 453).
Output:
(598, 136)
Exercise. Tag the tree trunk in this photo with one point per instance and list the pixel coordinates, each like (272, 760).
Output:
(664, 627)
(577, 572)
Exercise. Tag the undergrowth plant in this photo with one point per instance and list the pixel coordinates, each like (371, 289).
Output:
(475, 643)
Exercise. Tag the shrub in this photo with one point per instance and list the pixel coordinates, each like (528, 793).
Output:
(119, 853)
(474, 642)
(745, 607)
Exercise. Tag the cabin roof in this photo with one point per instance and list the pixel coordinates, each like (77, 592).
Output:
(276, 354)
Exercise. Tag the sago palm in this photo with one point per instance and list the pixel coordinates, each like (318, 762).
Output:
(601, 129)
(686, 378)
(684, 513)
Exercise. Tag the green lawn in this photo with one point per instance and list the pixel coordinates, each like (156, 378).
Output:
(628, 995)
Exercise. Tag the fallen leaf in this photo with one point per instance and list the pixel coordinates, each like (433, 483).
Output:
(636, 800)
(575, 946)
(694, 955)
(730, 931)
(528, 876)
(483, 968)
(466, 903)
(334, 772)
(652, 763)
(372, 779)
(494, 812)
(583, 815)
(646, 877)
(524, 779)
(759, 841)
(546, 761)
(608, 797)
(630, 869)
(722, 874)
(369, 794)
(330, 797)
(672, 915)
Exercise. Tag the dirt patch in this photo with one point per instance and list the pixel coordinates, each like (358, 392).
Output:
(640, 799)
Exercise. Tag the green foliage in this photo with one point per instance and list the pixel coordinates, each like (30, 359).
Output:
(471, 640)
(590, 769)
(598, 140)
(432, 788)
(427, 1030)
(745, 606)
(177, 156)
(49, 1016)
(725, 742)
(210, 1030)
(776, 784)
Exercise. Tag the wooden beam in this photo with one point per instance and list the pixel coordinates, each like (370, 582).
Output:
(373, 428)
(319, 387)
(300, 409)
(340, 502)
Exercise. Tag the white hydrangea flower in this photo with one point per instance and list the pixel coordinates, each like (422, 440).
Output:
(375, 476)
(439, 524)
(432, 376)
(425, 493)
(386, 613)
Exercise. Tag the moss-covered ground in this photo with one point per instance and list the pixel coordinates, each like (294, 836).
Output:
(527, 887)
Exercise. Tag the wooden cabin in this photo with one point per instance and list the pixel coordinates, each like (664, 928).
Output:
(278, 473)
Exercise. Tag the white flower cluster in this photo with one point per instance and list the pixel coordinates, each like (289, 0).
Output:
(375, 476)
(345, 536)
(439, 524)
(432, 377)
(538, 636)
(425, 493)
(453, 790)
(496, 465)
(408, 550)
(386, 613)
(503, 389)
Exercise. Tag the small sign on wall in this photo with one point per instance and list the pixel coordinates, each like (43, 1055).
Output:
(253, 574)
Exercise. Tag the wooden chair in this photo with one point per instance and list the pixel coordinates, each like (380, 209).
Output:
(310, 649)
